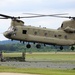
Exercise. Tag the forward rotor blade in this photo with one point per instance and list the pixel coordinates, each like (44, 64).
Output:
(3, 18)
(43, 14)
(6, 16)
(32, 16)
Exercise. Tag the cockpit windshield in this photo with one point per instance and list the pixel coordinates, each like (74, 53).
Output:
(11, 28)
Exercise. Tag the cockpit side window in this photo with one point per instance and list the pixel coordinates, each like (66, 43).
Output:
(62, 25)
(14, 28)
(10, 28)
(24, 31)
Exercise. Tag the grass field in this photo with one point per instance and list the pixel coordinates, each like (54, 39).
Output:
(41, 71)
(47, 56)
(60, 56)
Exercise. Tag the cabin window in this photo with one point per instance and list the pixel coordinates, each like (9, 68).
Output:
(65, 36)
(35, 33)
(55, 35)
(24, 31)
(59, 35)
(45, 34)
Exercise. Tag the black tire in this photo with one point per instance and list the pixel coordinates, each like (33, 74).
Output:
(61, 48)
(28, 46)
(38, 46)
(72, 48)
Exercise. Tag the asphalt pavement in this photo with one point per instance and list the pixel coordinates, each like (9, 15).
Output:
(41, 64)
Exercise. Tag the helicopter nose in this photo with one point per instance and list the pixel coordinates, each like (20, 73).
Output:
(7, 34)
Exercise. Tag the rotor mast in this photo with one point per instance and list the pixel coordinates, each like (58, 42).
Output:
(17, 23)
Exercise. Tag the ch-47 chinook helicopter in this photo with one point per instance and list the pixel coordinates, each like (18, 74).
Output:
(63, 36)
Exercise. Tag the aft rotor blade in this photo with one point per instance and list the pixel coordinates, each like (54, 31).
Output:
(63, 16)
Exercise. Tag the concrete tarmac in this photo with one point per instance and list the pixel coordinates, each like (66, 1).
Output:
(15, 74)
(41, 64)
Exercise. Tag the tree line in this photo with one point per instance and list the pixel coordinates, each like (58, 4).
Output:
(17, 47)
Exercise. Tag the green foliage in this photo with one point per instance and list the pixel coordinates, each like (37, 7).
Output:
(45, 56)
(19, 47)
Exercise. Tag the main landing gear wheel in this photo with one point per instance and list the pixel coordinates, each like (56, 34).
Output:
(72, 48)
(38, 46)
(28, 46)
(61, 48)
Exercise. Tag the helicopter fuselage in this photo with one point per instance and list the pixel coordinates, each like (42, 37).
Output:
(64, 36)
(40, 35)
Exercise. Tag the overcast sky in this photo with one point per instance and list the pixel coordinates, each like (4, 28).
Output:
(18, 7)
